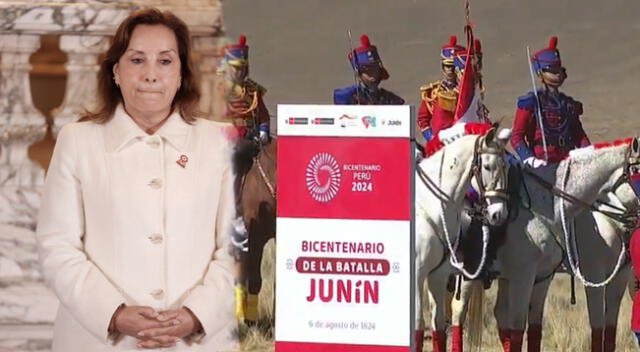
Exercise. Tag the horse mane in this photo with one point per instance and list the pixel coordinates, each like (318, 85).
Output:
(587, 151)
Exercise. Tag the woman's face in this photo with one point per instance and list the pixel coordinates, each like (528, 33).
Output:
(149, 71)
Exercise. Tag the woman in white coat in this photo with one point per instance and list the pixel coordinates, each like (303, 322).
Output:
(135, 219)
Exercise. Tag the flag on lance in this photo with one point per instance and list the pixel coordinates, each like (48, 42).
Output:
(470, 107)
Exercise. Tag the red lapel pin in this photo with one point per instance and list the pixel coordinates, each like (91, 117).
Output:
(182, 161)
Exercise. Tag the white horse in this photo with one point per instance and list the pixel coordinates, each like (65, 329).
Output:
(441, 183)
(601, 237)
(537, 238)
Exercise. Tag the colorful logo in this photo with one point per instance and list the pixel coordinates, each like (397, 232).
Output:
(323, 177)
(369, 121)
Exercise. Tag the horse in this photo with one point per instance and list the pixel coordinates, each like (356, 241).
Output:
(602, 236)
(539, 236)
(258, 200)
(441, 182)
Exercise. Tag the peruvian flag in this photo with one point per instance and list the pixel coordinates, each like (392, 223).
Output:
(468, 99)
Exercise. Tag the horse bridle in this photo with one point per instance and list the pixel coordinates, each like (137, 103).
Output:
(491, 190)
(484, 191)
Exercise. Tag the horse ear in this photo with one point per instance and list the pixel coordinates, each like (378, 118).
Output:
(635, 146)
(490, 137)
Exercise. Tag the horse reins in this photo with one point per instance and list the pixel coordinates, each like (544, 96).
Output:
(265, 178)
(624, 216)
(484, 192)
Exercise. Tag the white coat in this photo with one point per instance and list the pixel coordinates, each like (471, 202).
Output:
(122, 221)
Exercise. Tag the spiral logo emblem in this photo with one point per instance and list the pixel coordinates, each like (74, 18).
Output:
(323, 177)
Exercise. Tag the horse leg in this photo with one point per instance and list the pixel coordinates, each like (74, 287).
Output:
(519, 288)
(536, 309)
(420, 278)
(437, 285)
(501, 313)
(257, 242)
(459, 309)
(240, 285)
(603, 304)
(613, 297)
(595, 296)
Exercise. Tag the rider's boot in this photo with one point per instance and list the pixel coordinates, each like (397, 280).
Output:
(515, 340)
(596, 340)
(419, 339)
(504, 335)
(439, 340)
(534, 338)
(456, 339)
(610, 339)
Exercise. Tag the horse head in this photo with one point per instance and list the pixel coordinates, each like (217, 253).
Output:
(490, 174)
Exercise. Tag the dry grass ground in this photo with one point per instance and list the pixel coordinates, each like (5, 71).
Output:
(566, 326)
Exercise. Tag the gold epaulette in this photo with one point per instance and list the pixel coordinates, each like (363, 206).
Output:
(253, 86)
(427, 91)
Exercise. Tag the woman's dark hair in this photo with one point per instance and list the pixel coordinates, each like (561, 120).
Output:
(188, 95)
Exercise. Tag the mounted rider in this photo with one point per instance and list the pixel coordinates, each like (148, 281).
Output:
(370, 71)
(547, 124)
(245, 109)
(450, 108)
(441, 107)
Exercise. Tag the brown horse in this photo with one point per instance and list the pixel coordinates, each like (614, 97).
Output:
(259, 209)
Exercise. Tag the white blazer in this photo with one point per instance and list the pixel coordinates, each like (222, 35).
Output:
(122, 221)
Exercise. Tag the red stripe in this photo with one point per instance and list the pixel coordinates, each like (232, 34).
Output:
(283, 346)
(616, 143)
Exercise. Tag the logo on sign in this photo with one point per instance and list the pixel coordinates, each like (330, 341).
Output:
(369, 121)
(323, 177)
(297, 121)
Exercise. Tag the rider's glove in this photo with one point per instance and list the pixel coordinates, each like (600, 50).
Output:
(534, 162)
(427, 134)
(452, 133)
(263, 135)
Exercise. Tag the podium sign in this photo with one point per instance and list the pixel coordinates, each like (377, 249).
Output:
(344, 267)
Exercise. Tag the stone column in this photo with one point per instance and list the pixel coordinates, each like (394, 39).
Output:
(20, 122)
(82, 67)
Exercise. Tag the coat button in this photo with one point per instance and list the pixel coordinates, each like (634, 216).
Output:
(157, 293)
(155, 238)
(155, 183)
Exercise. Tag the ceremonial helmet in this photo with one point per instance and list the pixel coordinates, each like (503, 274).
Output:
(237, 54)
(450, 51)
(547, 57)
(460, 58)
(366, 55)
